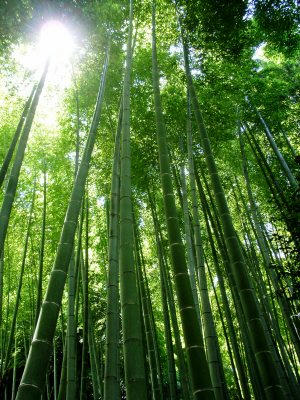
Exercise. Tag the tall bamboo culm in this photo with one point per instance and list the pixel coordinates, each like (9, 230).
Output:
(15, 138)
(268, 374)
(111, 384)
(201, 382)
(33, 379)
(131, 323)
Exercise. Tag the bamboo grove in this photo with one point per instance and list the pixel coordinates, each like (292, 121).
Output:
(149, 223)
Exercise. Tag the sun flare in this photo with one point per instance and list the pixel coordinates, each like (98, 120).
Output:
(55, 41)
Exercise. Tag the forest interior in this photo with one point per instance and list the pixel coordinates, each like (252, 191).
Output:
(150, 202)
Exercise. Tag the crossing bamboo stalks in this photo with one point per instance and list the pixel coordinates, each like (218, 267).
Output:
(15, 138)
(191, 328)
(33, 378)
(263, 355)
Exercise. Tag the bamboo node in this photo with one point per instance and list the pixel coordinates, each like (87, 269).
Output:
(174, 243)
(185, 308)
(203, 390)
(30, 384)
(34, 340)
(52, 302)
(262, 351)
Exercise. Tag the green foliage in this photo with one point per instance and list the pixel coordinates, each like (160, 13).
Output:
(278, 23)
(223, 36)
(215, 24)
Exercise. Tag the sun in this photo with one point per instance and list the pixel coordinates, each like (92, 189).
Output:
(55, 42)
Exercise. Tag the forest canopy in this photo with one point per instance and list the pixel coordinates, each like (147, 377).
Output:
(149, 189)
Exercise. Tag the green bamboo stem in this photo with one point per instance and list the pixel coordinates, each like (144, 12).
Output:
(111, 384)
(11, 188)
(4, 322)
(63, 373)
(291, 148)
(20, 284)
(54, 370)
(156, 394)
(268, 173)
(167, 325)
(234, 354)
(13, 390)
(15, 138)
(98, 363)
(210, 336)
(259, 342)
(151, 315)
(85, 308)
(93, 358)
(72, 284)
(33, 378)
(42, 250)
(182, 367)
(152, 322)
(265, 308)
(131, 324)
(73, 302)
(201, 382)
(266, 254)
(183, 373)
(188, 242)
(1, 302)
(285, 168)
(256, 227)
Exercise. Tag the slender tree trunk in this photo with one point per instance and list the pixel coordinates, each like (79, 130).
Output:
(73, 294)
(15, 138)
(234, 343)
(289, 383)
(54, 370)
(1, 304)
(63, 373)
(42, 249)
(85, 307)
(183, 373)
(131, 324)
(285, 168)
(18, 294)
(167, 326)
(274, 187)
(264, 248)
(152, 324)
(33, 378)
(152, 320)
(148, 331)
(188, 243)
(259, 342)
(13, 390)
(15, 171)
(291, 148)
(72, 285)
(210, 336)
(93, 359)
(111, 384)
(201, 382)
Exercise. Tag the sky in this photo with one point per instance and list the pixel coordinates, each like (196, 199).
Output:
(56, 42)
